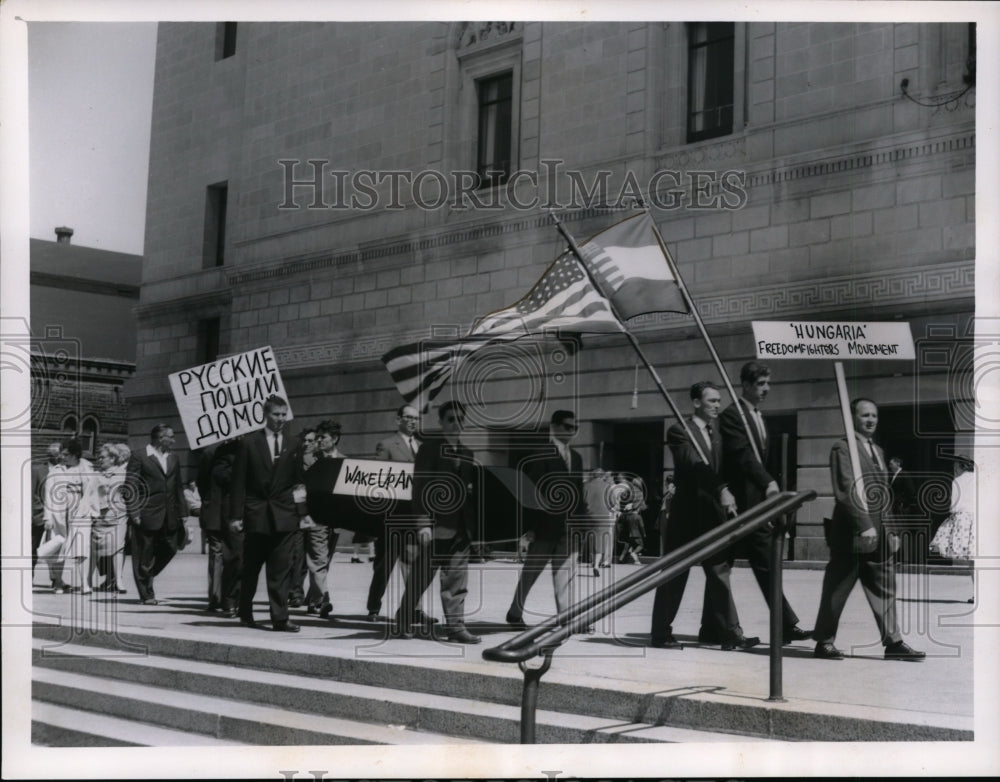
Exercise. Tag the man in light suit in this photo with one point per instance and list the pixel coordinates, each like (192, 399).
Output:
(266, 472)
(860, 546)
(156, 509)
(702, 502)
(557, 472)
(401, 446)
(750, 483)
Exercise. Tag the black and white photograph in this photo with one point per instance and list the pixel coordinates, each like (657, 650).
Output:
(611, 391)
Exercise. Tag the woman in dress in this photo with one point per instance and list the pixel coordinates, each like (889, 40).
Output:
(109, 527)
(956, 537)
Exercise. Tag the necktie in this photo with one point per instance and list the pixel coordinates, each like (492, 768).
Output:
(708, 435)
(413, 445)
(874, 453)
(277, 445)
(759, 420)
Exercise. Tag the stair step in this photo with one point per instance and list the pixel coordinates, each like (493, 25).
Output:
(62, 726)
(442, 714)
(222, 718)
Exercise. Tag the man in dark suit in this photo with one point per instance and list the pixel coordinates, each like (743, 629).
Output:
(266, 472)
(702, 502)
(155, 505)
(750, 483)
(443, 467)
(904, 495)
(401, 446)
(860, 546)
(225, 546)
(557, 474)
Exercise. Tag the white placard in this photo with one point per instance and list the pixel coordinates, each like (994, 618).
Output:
(836, 340)
(371, 478)
(225, 398)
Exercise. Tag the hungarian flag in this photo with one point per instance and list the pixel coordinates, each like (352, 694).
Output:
(631, 270)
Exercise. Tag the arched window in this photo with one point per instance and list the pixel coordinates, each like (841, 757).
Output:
(89, 431)
(68, 427)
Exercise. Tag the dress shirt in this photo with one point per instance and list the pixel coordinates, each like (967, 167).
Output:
(160, 456)
(563, 451)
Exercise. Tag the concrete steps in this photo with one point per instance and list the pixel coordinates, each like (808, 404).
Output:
(211, 691)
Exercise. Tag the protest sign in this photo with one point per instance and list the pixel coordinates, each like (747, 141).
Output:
(840, 340)
(370, 478)
(225, 398)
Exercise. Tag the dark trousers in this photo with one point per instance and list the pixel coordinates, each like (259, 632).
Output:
(393, 545)
(273, 552)
(451, 557)
(37, 533)
(225, 561)
(296, 592)
(667, 601)
(152, 551)
(878, 580)
(756, 548)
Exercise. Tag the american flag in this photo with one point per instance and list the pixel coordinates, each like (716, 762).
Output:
(564, 298)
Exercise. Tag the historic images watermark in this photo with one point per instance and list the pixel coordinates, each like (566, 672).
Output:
(314, 184)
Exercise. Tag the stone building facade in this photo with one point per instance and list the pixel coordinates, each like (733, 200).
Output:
(82, 341)
(326, 189)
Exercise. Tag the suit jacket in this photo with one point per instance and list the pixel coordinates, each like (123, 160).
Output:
(215, 475)
(746, 477)
(451, 506)
(696, 507)
(394, 448)
(262, 485)
(153, 497)
(849, 519)
(904, 495)
(558, 492)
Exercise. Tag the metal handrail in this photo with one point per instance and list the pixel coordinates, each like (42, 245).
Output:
(545, 638)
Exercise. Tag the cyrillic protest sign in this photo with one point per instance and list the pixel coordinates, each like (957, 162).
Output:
(840, 340)
(370, 478)
(225, 398)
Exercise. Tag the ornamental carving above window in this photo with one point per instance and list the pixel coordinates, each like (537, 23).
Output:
(483, 32)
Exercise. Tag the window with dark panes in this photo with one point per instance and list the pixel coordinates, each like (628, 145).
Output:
(710, 79)
(214, 244)
(225, 40)
(208, 340)
(493, 160)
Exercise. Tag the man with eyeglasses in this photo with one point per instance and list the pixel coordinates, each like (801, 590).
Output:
(401, 545)
(557, 474)
(445, 501)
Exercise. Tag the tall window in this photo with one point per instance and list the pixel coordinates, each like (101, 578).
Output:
(89, 431)
(493, 161)
(225, 40)
(208, 340)
(213, 253)
(710, 79)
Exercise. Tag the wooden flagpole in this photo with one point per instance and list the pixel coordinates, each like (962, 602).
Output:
(704, 333)
(635, 344)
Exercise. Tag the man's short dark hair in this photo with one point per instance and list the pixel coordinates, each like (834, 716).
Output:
(699, 388)
(447, 407)
(559, 417)
(752, 371)
(154, 434)
(402, 408)
(73, 447)
(273, 402)
(328, 427)
(858, 400)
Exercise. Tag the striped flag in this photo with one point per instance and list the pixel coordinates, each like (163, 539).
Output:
(564, 298)
(631, 269)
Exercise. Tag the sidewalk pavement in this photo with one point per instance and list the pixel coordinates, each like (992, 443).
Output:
(934, 616)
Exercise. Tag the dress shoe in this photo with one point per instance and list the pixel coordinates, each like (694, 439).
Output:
(667, 642)
(795, 633)
(285, 627)
(462, 636)
(597, 573)
(516, 622)
(312, 608)
(740, 642)
(372, 616)
(295, 602)
(229, 613)
(421, 618)
(902, 651)
(707, 637)
(150, 602)
(827, 651)
(251, 623)
(325, 609)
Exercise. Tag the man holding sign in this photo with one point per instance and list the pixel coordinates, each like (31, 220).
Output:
(265, 473)
(860, 547)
